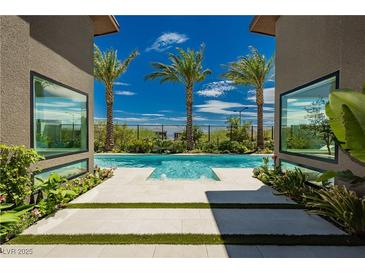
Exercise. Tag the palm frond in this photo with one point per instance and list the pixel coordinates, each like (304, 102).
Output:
(185, 67)
(251, 70)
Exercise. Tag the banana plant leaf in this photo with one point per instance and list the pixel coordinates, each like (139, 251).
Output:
(346, 113)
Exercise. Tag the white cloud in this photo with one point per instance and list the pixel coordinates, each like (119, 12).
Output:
(57, 104)
(120, 84)
(220, 107)
(300, 104)
(215, 89)
(124, 93)
(269, 95)
(183, 118)
(166, 40)
(153, 115)
(131, 119)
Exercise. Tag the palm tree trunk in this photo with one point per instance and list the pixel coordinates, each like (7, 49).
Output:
(189, 117)
(260, 118)
(109, 140)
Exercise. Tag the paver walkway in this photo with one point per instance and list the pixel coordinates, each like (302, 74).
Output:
(205, 221)
(183, 251)
(131, 185)
(236, 186)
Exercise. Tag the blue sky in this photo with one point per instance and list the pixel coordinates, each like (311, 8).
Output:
(148, 102)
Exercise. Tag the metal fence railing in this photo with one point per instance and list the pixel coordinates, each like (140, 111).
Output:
(210, 133)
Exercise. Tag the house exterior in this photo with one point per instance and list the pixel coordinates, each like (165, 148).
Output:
(314, 55)
(46, 82)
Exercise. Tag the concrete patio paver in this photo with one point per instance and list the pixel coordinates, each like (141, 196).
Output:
(206, 221)
(133, 185)
(182, 251)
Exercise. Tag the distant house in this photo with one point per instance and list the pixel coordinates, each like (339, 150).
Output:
(161, 134)
(47, 87)
(313, 56)
(177, 135)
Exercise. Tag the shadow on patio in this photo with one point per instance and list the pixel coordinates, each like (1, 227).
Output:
(264, 221)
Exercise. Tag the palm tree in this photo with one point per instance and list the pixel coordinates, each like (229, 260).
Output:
(107, 68)
(186, 68)
(252, 70)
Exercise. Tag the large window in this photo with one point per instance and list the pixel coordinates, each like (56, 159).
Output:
(59, 118)
(304, 124)
(68, 171)
(311, 174)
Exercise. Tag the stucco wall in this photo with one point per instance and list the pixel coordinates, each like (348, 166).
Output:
(309, 47)
(59, 47)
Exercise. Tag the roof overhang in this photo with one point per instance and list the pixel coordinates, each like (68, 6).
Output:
(104, 24)
(264, 24)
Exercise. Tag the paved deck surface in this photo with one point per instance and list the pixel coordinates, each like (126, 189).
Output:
(132, 185)
(206, 221)
(181, 251)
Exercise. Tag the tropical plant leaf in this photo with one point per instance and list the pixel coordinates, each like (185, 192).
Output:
(327, 176)
(347, 120)
(5, 206)
(8, 217)
(341, 205)
(336, 124)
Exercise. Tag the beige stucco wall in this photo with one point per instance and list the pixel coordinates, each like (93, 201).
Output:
(309, 47)
(59, 47)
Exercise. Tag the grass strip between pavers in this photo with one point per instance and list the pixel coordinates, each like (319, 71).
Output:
(191, 239)
(188, 205)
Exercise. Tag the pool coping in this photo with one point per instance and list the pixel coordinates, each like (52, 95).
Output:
(182, 154)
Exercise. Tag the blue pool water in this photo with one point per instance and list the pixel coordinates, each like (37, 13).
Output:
(180, 166)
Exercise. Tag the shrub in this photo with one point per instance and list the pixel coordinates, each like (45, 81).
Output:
(52, 193)
(208, 147)
(232, 147)
(16, 176)
(140, 146)
(269, 144)
(197, 135)
(292, 183)
(163, 146)
(178, 147)
(265, 173)
(237, 132)
(10, 217)
(341, 205)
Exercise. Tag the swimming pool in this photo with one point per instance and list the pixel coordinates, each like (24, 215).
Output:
(191, 167)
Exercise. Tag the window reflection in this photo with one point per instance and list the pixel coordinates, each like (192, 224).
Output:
(304, 124)
(60, 119)
(68, 171)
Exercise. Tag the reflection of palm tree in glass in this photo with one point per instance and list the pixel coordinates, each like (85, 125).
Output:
(319, 124)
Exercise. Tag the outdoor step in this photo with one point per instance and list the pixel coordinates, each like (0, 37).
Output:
(184, 221)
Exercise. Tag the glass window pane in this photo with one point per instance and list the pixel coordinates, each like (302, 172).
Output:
(68, 171)
(312, 174)
(60, 119)
(304, 124)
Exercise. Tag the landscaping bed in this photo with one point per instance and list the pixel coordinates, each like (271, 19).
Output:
(335, 203)
(24, 199)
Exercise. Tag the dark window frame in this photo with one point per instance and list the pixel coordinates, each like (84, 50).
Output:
(335, 74)
(65, 165)
(32, 112)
